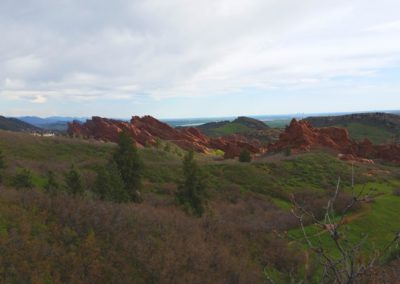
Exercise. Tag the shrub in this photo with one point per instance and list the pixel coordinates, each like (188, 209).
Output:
(392, 255)
(191, 193)
(288, 152)
(73, 182)
(245, 156)
(316, 202)
(77, 240)
(23, 179)
(51, 185)
(167, 147)
(158, 143)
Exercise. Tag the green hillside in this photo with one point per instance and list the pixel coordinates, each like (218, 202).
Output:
(77, 239)
(13, 124)
(278, 123)
(378, 127)
(246, 126)
(376, 134)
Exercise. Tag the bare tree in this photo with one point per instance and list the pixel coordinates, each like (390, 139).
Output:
(344, 264)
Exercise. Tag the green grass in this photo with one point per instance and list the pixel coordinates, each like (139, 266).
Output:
(314, 171)
(378, 222)
(280, 123)
(231, 128)
(283, 204)
(52, 150)
(317, 170)
(376, 134)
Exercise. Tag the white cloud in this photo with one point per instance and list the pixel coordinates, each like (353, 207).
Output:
(96, 50)
(11, 83)
(385, 27)
(38, 99)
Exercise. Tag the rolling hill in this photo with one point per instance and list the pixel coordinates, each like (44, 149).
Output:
(249, 127)
(13, 124)
(379, 127)
(53, 123)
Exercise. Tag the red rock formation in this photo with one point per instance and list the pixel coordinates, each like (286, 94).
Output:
(301, 136)
(145, 130)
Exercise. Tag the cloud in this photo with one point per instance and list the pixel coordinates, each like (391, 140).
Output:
(98, 50)
(38, 99)
(385, 27)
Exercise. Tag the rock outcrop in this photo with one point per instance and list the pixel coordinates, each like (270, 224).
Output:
(146, 130)
(300, 136)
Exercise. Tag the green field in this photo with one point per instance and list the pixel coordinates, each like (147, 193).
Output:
(376, 134)
(279, 123)
(231, 128)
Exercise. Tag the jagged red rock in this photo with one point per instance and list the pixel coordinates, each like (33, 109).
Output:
(146, 130)
(301, 136)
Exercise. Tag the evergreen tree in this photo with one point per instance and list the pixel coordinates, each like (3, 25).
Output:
(23, 179)
(245, 156)
(73, 182)
(109, 184)
(191, 193)
(129, 165)
(51, 185)
(2, 166)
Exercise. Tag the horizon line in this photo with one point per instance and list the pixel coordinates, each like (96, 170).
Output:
(298, 114)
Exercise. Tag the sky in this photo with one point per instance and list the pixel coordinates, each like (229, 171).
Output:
(189, 58)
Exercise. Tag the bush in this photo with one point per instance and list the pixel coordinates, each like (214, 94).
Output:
(158, 143)
(167, 147)
(73, 182)
(23, 179)
(76, 240)
(316, 202)
(51, 185)
(245, 156)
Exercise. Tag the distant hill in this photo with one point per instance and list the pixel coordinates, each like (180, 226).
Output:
(13, 124)
(241, 124)
(54, 123)
(379, 127)
(246, 126)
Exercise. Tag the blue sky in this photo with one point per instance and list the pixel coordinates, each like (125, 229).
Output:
(210, 58)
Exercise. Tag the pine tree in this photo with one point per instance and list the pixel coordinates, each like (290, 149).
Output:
(73, 182)
(22, 179)
(129, 165)
(245, 156)
(191, 193)
(2, 166)
(109, 184)
(51, 185)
